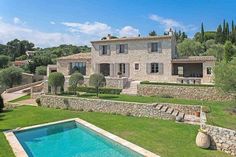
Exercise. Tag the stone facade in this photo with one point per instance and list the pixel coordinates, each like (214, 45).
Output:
(221, 138)
(108, 106)
(184, 92)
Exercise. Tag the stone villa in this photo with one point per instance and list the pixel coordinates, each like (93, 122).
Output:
(152, 58)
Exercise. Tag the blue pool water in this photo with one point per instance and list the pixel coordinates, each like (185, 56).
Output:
(70, 139)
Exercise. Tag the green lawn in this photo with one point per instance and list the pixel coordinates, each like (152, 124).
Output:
(221, 112)
(162, 137)
(25, 97)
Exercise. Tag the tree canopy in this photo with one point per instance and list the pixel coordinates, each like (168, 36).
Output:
(75, 80)
(11, 76)
(4, 61)
(190, 48)
(97, 81)
(56, 80)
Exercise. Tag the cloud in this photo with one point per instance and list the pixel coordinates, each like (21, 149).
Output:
(128, 31)
(52, 22)
(95, 28)
(17, 20)
(10, 31)
(168, 23)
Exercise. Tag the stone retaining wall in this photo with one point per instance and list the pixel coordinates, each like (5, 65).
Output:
(221, 138)
(187, 109)
(184, 92)
(109, 106)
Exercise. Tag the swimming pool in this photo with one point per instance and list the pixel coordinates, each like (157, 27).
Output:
(75, 138)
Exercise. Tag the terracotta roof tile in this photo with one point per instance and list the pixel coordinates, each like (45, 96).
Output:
(86, 56)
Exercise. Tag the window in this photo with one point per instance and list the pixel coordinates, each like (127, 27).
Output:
(136, 66)
(104, 49)
(122, 68)
(209, 70)
(154, 68)
(154, 47)
(122, 48)
(78, 67)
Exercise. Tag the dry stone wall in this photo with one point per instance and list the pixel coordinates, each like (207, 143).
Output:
(221, 138)
(184, 92)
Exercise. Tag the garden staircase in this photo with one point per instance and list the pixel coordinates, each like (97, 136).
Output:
(169, 110)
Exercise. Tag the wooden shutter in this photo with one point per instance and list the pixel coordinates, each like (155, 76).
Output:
(97, 68)
(127, 69)
(112, 74)
(126, 48)
(148, 68)
(117, 48)
(160, 47)
(116, 69)
(149, 47)
(160, 68)
(100, 50)
(108, 49)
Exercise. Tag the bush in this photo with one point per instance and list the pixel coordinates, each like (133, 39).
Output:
(74, 80)
(4, 61)
(97, 81)
(41, 70)
(102, 90)
(38, 101)
(1, 103)
(56, 80)
(11, 76)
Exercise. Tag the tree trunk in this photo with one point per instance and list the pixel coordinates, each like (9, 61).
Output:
(97, 90)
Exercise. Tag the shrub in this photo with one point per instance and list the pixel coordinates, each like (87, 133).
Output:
(75, 79)
(97, 81)
(206, 109)
(1, 103)
(4, 61)
(11, 76)
(38, 101)
(41, 70)
(56, 80)
(102, 90)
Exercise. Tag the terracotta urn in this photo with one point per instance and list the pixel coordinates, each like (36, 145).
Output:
(203, 140)
(197, 114)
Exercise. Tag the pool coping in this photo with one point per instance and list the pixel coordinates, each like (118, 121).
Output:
(20, 152)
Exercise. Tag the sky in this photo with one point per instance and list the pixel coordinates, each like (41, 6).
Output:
(53, 22)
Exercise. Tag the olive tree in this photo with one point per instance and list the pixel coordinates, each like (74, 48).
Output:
(41, 70)
(75, 80)
(11, 76)
(56, 81)
(4, 61)
(97, 80)
(225, 74)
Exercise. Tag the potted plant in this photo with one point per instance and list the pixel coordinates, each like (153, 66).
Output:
(202, 139)
(119, 74)
(197, 113)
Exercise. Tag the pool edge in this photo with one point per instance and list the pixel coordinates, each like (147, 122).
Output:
(20, 152)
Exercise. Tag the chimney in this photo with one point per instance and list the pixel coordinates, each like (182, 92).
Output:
(108, 36)
(170, 33)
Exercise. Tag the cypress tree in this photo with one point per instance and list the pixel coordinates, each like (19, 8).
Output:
(219, 34)
(202, 34)
(227, 31)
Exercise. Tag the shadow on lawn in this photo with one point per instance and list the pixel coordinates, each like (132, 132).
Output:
(2, 114)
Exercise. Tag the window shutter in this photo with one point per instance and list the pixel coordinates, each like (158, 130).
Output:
(117, 48)
(161, 68)
(126, 48)
(97, 69)
(100, 49)
(108, 49)
(116, 69)
(160, 47)
(112, 69)
(127, 69)
(149, 47)
(70, 69)
(148, 68)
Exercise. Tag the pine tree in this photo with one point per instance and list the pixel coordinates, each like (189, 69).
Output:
(153, 33)
(202, 39)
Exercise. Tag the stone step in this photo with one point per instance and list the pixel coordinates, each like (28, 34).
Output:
(181, 115)
(164, 108)
(159, 107)
(170, 110)
(175, 113)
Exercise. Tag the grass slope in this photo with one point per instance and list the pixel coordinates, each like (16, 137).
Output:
(165, 138)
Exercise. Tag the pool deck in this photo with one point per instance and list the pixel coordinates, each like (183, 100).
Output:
(20, 152)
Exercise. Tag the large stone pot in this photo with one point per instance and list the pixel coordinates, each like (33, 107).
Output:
(203, 140)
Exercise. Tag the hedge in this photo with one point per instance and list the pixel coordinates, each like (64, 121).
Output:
(102, 90)
(176, 84)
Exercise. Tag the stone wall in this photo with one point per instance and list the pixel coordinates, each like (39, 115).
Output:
(109, 106)
(221, 138)
(184, 92)
(187, 109)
